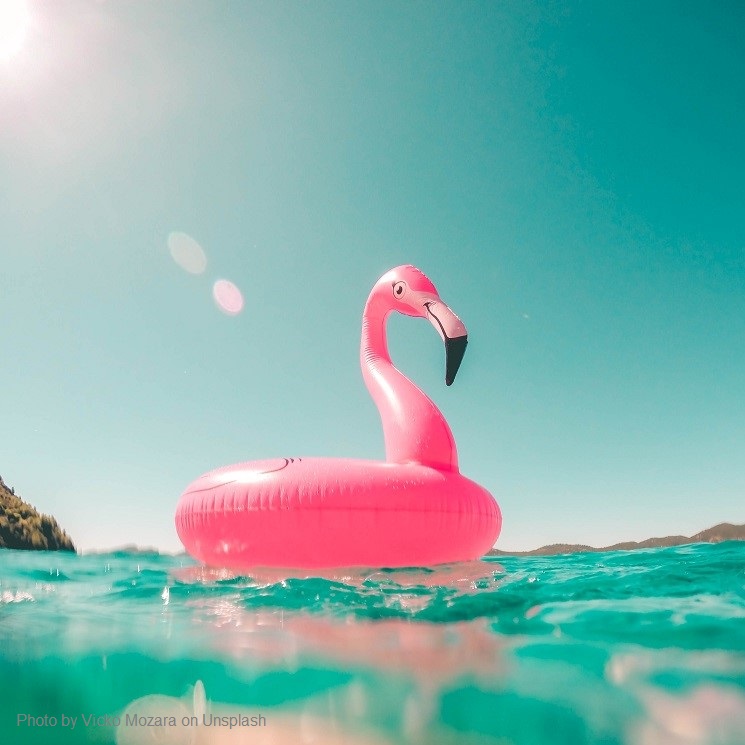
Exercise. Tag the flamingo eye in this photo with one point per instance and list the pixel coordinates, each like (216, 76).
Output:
(399, 288)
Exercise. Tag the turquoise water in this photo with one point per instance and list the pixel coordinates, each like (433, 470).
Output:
(640, 647)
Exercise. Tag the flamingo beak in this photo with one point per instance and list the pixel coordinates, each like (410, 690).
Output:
(454, 351)
(453, 333)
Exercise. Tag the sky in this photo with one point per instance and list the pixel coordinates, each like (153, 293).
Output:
(196, 199)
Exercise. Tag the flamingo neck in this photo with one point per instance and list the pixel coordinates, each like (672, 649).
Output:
(414, 429)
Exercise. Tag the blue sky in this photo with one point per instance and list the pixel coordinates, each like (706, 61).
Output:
(569, 175)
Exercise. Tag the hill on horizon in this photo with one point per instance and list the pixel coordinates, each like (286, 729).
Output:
(717, 534)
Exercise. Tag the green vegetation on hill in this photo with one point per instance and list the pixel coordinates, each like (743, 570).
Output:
(21, 526)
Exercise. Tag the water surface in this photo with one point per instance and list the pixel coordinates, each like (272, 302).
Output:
(635, 647)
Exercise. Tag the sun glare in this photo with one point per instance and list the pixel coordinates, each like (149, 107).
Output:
(13, 26)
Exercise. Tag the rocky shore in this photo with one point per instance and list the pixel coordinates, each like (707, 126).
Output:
(23, 527)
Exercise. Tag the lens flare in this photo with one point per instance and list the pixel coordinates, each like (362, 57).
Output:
(187, 253)
(13, 27)
(228, 297)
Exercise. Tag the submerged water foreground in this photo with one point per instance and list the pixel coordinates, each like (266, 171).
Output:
(636, 648)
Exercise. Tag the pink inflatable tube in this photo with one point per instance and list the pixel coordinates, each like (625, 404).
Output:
(414, 509)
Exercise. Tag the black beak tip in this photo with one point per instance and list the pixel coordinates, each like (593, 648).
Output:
(454, 350)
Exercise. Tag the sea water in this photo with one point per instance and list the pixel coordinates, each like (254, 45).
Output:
(642, 648)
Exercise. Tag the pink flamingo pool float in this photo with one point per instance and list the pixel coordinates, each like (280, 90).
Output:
(414, 509)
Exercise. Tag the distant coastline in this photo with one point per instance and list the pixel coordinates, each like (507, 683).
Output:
(717, 534)
(129, 549)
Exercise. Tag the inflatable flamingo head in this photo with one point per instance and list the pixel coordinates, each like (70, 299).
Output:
(408, 290)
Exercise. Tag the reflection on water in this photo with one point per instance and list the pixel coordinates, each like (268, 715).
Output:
(467, 576)
(430, 654)
(194, 720)
(708, 713)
